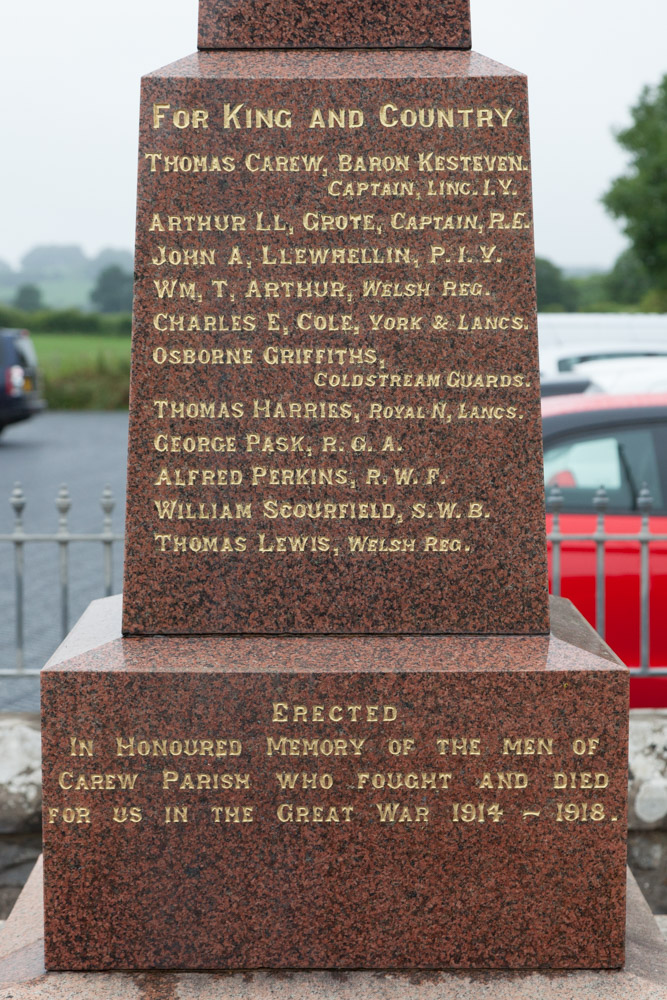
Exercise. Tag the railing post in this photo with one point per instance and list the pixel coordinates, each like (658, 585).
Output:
(554, 506)
(645, 505)
(64, 504)
(107, 503)
(17, 501)
(601, 503)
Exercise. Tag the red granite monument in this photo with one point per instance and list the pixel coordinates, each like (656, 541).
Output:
(334, 729)
(335, 410)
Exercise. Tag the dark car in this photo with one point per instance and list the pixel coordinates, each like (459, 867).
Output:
(619, 442)
(20, 395)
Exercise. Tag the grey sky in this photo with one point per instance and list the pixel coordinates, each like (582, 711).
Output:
(69, 75)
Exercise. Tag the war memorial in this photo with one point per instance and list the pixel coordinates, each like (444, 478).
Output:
(337, 727)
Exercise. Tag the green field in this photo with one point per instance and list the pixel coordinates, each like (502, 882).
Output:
(84, 371)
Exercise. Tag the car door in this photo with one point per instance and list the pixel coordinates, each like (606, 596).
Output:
(622, 458)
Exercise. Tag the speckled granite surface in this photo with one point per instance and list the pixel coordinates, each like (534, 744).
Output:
(289, 24)
(22, 974)
(334, 802)
(374, 462)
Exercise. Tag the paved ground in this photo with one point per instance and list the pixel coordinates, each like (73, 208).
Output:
(86, 451)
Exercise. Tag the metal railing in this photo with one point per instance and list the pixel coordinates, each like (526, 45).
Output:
(63, 538)
(644, 537)
(107, 537)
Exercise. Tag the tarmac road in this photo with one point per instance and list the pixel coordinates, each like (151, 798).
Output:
(87, 451)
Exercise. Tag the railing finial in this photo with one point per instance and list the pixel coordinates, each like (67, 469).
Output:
(555, 500)
(64, 505)
(107, 501)
(18, 502)
(645, 500)
(601, 500)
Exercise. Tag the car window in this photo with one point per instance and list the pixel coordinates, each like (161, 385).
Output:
(572, 361)
(25, 352)
(619, 459)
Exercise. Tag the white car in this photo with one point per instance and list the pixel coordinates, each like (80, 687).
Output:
(567, 341)
(620, 376)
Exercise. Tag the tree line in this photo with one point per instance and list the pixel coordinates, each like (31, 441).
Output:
(112, 293)
(638, 199)
(636, 282)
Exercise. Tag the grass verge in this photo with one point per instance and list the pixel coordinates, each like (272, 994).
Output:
(84, 371)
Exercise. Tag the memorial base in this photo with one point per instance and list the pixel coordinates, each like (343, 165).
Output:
(23, 977)
(424, 802)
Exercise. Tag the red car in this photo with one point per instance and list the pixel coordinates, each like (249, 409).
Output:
(619, 442)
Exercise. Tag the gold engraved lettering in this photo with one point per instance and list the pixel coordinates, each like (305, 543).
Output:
(176, 814)
(194, 323)
(181, 118)
(398, 323)
(255, 163)
(377, 289)
(459, 746)
(434, 544)
(336, 118)
(199, 410)
(162, 163)
(462, 289)
(200, 545)
(203, 356)
(69, 815)
(282, 409)
(588, 746)
(379, 164)
(431, 162)
(318, 256)
(583, 779)
(289, 781)
(175, 510)
(167, 289)
(471, 812)
(164, 747)
(262, 475)
(469, 323)
(204, 782)
(286, 747)
(418, 223)
(452, 118)
(314, 222)
(500, 220)
(293, 543)
(179, 257)
(328, 510)
(376, 189)
(96, 782)
(424, 781)
(395, 812)
(506, 779)
(121, 814)
(528, 747)
(268, 444)
(466, 412)
(197, 224)
(201, 445)
(80, 748)
(241, 116)
(288, 813)
(582, 812)
(295, 289)
(285, 712)
(233, 814)
(190, 477)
